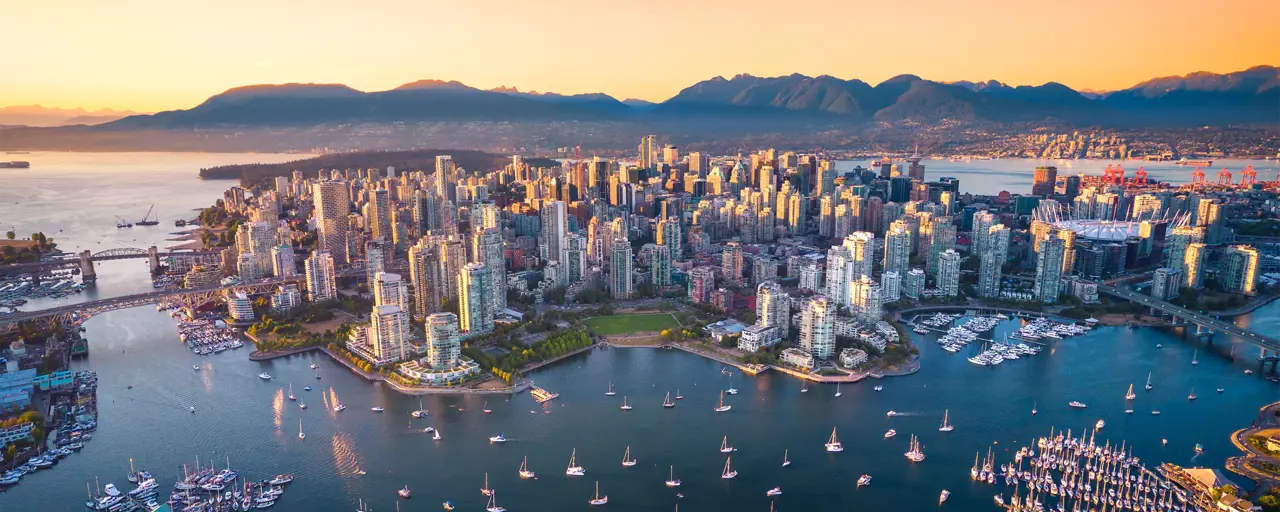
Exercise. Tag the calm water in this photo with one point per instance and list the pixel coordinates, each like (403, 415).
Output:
(989, 177)
(249, 421)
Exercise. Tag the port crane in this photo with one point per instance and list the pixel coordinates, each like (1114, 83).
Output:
(1248, 177)
(1224, 177)
(146, 219)
(1197, 177)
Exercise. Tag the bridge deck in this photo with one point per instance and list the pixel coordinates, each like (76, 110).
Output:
(1201, 319)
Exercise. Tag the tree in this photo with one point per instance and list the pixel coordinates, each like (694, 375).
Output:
(10, 235)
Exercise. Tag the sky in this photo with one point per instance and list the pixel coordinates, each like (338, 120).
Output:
(151, 55)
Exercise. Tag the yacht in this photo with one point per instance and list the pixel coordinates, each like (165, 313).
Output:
(376, 409)
(723, 406)
(837, 389)
(610, 391)
(1155, 412)
(492, 506)
(339, 408)
(946, 427)
(291, 397)
(671, 477)
(486, 490)
(314, 367)
(914, 454)
(264, 376)
(731, 391)
(1099, 425)
(448, 505)
(1149, 386)
(878, 388)
(404, 493)
(785, 461)
(524, 469)
(574, 469)
(195, 367)
(498, 439)
(833, 444)
(1078, 405)
(892, 413)
(598, 500)
(890, 433)
(301, 435)
(667, 403)
(627, 461)
(308, 388)
(864, 480)
(728, 471)
(1033, 408)
(1130, 395)
(724, 446)
(1221, 390)
(776, 491)
(943, 497)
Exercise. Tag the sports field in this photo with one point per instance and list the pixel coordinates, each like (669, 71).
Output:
(626, 324)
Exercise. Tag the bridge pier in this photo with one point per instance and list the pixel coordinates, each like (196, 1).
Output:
(153, 257)
(87, 272)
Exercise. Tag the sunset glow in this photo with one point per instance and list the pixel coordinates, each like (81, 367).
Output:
(150, 55)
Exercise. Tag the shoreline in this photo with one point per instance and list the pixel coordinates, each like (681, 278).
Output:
(424, 390)
(258, 355)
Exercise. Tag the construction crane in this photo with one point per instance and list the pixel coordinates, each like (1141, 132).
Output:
(1197, 177)
(1248, 177)
(1224, 177)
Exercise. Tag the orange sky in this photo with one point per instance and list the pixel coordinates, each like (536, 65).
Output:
(152, 55)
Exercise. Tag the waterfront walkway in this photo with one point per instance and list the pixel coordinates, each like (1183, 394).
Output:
(259, 355)
(425, 390)
(1246, 464)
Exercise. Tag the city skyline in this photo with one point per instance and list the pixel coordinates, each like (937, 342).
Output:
(138, 57)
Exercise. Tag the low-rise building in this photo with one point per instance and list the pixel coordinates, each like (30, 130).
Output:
(798, 357)
(425, 374)
(756, 337)
(15, 433)
(851, 357)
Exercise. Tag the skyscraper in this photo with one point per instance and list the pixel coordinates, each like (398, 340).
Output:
(620, 282)
(993, 253)
(555, 225)
(488, 248)
(1165, 283)
(1048, 284)
(1239, 269)
(648, 152)
(982, 222)
(866, 299)
(1046, 178)
(282, 261)
(942, 237)
(390, 290)
(891, 284)
(575, 259)
(443, 347)
(453, 256)
(424, 272)
(668, 235)
(817, 327)
(861, 254)
(444, 177)
(773, 307)
(949, 272)
(380, 214)
(702, 281)
(837, 274)
(476, 316)
(388, 334)
(1193, 265)
(731, 262)
(660, 263)
(897, 248)
(321, 282)
(331, 204)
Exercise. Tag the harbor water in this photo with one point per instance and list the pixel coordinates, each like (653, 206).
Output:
(251, 422)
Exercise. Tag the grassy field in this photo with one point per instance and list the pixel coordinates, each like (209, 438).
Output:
(626, 324)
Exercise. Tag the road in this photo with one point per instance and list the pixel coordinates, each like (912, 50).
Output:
(1266, 342)
(1241, 464)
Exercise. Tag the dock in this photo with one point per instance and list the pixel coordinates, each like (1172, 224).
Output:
(542, 395)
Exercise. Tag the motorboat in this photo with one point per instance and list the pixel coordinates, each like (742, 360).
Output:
(447, 505)
(404, 493)
(281, 479)
(195, 367)
(864, 480)
(671, 477)
(892, 413)
(1078, 405)
(833, 444)
(302, 405)
(1221, 390)
(776, 491)
(728, 470)
(574, 469)
(890, 433)
(598, 500)
(524, 469)
(313, 366)
(627, 461)
(498, 439)
(339, 408)
(308, 388)
(878, 388)
(1155, 412)
(376, 409)
(943, 497)
(1033, 408)
(1099, 425)
(264, 376)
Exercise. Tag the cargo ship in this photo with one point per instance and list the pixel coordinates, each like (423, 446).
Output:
(17, 164)
(1197, 163)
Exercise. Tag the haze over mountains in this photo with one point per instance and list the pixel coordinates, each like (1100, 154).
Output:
(37, 115)
(1250, 96)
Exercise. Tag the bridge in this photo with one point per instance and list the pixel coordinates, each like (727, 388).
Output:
(189, 298)
(86, 259)
(1265, 342)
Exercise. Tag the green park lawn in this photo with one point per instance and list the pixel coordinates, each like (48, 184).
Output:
(626, 324)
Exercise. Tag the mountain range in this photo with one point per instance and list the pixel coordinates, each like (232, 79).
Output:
(37, 115)
(1249, 96)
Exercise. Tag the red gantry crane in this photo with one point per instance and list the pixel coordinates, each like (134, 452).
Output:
(1248, 177)
(1197, 177)
(1224, 177)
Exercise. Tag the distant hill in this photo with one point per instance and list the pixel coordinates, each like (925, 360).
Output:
(36, 115)
(403, 161)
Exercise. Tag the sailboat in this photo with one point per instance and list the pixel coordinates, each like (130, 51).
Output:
(300, 434)
(487, 410)
(420, 413)
(493, 504)
(833, 444)
(1130, 395)
(914, 454)
(574, 469)
(837, 389)
(946, 427)
(435, 434)
(598, 500)
(1195, 361)
(671, 478)
(724, 446)
(1033, 408)
(728, 471)
(1149, 386)
(627, 461)
(524, 469)
(625, 407)
(723, 406)
(1192, 396)
(610, 391)
(804, 387)
(678, 395)
(291, 397)
(666, 402)
(785, 461)
(486, 490)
